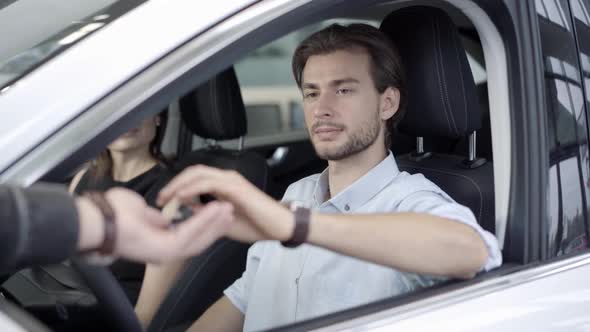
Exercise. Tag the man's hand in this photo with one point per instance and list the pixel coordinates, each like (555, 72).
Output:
(258, 216)
(143, 234)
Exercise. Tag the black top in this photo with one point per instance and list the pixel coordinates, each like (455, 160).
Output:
(27, 216)
(147, 184)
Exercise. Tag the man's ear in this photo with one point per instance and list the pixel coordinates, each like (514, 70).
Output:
(389, 103)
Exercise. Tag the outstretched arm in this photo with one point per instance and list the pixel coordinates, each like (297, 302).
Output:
(413, 242)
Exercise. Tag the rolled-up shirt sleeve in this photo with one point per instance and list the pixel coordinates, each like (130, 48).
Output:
(441, 205)
(39, 226)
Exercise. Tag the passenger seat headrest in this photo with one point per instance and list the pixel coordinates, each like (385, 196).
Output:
(215, 110)
(442, 98)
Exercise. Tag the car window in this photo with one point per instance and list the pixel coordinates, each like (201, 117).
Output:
(568, 148)
(32, 32)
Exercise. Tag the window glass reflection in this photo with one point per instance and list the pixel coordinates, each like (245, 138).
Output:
(571, 232)
(571, 71)
(585, 167)
(563, 114)
(567, 128)
(582, 20)
(580, 11)
(553, 10)
(553, 208)
(561, 68)
(541, 8)
(553, 65)
(585, 61)
(578, 106)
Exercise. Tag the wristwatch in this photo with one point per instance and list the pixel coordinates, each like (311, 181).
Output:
(302, 213)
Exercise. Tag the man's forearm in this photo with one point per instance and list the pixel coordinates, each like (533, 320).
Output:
(91, 226)
(410, 242)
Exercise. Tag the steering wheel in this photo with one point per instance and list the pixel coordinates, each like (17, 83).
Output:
(109, 295)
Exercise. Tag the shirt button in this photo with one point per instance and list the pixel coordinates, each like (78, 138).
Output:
(346, 207)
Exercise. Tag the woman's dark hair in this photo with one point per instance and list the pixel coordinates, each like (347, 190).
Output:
(386, 65)
(102, 165)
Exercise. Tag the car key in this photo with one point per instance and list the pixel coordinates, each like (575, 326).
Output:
(176, 211)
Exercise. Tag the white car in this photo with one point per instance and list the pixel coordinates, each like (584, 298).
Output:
(74, 77)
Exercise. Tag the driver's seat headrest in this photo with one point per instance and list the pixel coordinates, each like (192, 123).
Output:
(442, 98)
(215, 110)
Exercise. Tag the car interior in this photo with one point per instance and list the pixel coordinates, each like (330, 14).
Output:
(445, 135)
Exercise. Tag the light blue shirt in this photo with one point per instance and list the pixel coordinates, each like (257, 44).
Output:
(281, 286)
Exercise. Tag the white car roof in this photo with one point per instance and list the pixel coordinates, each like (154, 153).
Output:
(47, 98)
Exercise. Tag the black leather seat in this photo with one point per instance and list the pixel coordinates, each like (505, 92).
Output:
(443, 107)
(214, 111)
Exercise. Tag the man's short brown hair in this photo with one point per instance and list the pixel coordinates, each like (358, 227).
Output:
(386, 67)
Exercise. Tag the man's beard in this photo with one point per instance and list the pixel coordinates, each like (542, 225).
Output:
(357, 142)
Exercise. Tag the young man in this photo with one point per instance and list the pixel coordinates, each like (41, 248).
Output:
(370, 231)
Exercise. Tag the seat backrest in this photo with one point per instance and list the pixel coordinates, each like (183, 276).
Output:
(442, 106)
(213, 111)
(216, 111)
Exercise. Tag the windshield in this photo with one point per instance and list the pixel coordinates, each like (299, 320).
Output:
(33, 31)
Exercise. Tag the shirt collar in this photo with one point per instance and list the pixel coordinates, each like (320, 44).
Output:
(360, 191)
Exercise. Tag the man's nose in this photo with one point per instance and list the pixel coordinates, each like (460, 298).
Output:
(324, 106)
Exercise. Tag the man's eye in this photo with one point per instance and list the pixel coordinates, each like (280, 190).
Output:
(343, 91)
(310, 95)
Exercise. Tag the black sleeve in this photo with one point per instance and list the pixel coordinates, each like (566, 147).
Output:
(38, 225)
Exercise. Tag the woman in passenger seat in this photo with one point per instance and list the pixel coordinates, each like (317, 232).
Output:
(134, 161)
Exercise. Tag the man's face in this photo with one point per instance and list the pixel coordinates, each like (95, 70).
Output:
(341, 104)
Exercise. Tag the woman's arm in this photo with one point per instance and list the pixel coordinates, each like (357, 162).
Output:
(157, 281)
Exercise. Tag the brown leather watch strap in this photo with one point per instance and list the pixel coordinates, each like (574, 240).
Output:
(302, 215)
(110, 228)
